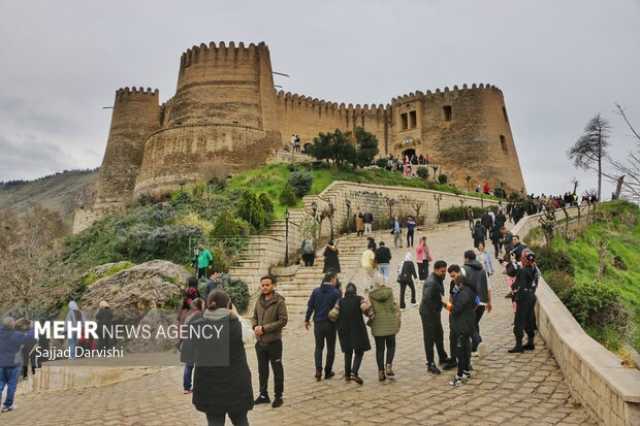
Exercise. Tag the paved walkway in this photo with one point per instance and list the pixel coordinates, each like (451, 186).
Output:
(505, 389)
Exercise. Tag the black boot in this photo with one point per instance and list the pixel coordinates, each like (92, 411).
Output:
(517, 349)
(263, 398)
(529, 346)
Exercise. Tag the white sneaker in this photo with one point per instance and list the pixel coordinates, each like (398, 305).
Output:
(456, 381)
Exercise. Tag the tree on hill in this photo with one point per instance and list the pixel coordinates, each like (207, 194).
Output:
(358, 148)
(591, 148)
(630, 170)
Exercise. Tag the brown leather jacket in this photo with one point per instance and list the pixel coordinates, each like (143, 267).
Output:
(272, 316)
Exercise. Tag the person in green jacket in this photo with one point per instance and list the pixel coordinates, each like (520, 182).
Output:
(204, 259)
(385, 324)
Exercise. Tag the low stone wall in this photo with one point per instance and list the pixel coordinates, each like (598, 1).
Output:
(348, 197)
(595, 376)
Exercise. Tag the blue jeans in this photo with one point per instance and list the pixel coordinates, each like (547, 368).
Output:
(188, 374)
(72, 342)
(9, 377)
(383, 268)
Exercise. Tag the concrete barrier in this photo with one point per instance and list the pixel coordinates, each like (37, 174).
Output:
(596, 377)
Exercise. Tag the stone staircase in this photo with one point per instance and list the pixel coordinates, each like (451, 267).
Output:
(282, 156)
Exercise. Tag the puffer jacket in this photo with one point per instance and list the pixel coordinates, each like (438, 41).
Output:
(386, 320)
(272, 316)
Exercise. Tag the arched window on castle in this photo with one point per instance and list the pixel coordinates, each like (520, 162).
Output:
(503, 144)
(446, 111)
(504, 112)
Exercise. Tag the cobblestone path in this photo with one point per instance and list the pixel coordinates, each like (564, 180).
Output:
(505, 389)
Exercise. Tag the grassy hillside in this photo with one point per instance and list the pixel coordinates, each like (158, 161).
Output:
(603, 270)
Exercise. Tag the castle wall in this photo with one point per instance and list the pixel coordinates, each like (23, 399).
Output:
(136, 113)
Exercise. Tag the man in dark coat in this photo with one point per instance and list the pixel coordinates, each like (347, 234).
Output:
(354, 339)
(501, 219)
(222, 379)
(487, 221)
(383, 258)
(406, 275)
(518, 248)
(476, 279)
(320, 302)
(523, 290)
(479, 234)
(269, 318)
(430, 314)
(462, 323)
(10, 342)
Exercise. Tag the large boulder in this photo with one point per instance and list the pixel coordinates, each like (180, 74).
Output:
(132, 292)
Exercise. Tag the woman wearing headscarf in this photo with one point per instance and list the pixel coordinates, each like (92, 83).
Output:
(352, 332)
(104, 319)
(222, 379)
(74, 316)
(186, 348)
(406, 274)
(331, 261)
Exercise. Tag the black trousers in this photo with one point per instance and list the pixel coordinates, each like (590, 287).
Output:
(271, 353)
(463, 349)
(325, 331)
(476, 339)
(410, 238)
(432, 334)
(202, 272)
(382, 342)
(452, 344)
(403, 288)
(238, 418)
(477, 241)
(308, 258)
(423, 270)
(352, 361)
(497, 246)
(525, 319)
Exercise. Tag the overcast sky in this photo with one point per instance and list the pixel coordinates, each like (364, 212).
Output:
(557, 62)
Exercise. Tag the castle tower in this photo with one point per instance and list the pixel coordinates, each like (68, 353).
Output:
(221, 119)
(464, 130)
(135, 115)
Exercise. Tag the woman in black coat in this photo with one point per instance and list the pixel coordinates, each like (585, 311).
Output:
(331, 261)
(354, 339)
(222, 382)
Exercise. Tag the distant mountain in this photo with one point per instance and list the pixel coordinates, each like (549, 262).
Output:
(62, 192)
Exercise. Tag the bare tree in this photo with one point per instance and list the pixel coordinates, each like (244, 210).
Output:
(630, 170)
(28, 246)
(591, 148)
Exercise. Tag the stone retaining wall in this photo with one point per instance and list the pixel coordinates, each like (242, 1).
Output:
(596, 377)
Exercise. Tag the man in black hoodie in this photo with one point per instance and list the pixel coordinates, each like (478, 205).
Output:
(320, 303)
(383, 258)
(430, 314)
(476, 278)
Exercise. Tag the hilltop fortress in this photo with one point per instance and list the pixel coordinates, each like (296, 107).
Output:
(227, 115)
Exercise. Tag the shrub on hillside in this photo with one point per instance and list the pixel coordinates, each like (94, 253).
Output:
(596, 305)
(300, 182)
(423, 172)
(560, 282)
(253, 210)
(499, 192)
(230, 231)
(288, 196)
(267, 204)
(381, 162)
(549, 260)
(442, 179)
(238, 291)
(453, 214)
(142, 243)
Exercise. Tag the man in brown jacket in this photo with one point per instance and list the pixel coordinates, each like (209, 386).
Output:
(269, 318)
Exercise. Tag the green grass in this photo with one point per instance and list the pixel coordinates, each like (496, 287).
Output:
(618, 225)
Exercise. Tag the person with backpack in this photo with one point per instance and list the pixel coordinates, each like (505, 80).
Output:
(382, 259)
(462, 320)
(368, 223)
(423, 257)
(331, 260)
(406, 275)
(352, 332)
(321, 301)
(430, 313)
(308, 251)
(385, 324)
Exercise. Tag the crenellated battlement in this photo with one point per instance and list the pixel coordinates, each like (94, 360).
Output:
(455, 91)
(126, 92)
(294, 100)
(221, 52)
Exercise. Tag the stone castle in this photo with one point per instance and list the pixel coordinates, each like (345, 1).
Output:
(227, 115)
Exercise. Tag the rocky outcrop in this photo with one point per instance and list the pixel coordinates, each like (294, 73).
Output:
(134, 291)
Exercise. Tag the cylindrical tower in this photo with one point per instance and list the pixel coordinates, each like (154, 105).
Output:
(221, 117)
(464, 130)
(136, 114)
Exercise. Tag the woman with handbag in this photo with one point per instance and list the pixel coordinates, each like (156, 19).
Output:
(354, 339)
(385, 324)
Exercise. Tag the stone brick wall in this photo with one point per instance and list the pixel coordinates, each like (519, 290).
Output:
(595, 376)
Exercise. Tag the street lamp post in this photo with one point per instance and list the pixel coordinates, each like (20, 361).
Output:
(286, 237)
